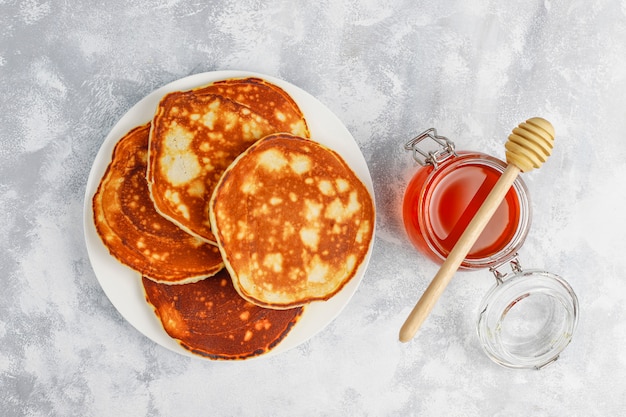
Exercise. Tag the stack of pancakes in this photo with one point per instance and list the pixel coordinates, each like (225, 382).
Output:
(234, 218)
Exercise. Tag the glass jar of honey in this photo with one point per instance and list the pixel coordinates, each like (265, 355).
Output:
(528, 317)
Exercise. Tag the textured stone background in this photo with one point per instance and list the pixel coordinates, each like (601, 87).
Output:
(389, 69)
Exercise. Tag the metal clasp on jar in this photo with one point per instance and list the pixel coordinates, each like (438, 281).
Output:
(516, 267)
(444, 148)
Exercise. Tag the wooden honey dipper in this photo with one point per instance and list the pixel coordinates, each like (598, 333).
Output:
(528, 146)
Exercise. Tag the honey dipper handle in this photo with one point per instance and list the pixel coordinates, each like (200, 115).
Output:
(426, 303)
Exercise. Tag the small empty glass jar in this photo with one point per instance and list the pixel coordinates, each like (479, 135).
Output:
(528, 317)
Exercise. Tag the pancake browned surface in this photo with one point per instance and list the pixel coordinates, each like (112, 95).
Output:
(292, 220)
(210, 319)
(134, 232)
(195, 136)
(266, 99)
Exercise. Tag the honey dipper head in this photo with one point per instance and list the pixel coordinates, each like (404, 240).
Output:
(530, 144)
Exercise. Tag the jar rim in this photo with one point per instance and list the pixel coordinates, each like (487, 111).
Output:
(508, 251)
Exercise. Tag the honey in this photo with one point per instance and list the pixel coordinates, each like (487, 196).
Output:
(440, 202)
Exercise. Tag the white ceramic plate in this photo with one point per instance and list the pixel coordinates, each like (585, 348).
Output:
(123, 285)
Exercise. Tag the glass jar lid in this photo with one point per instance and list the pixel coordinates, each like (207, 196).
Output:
(527, 318)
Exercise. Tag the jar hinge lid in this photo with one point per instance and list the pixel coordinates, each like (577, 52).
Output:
(444, 148)
(516, 267)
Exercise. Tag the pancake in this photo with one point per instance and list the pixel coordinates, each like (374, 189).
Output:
(210, 319)
(134, 232)
(292, 220)
(196, 134)
(266, 99)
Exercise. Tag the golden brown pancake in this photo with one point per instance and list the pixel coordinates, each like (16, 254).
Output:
(266, 99)
(134, 232)
(210, 319)
(195, 136)
(292, 220)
